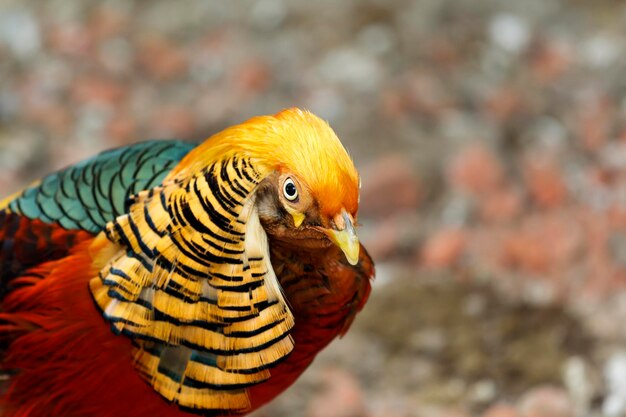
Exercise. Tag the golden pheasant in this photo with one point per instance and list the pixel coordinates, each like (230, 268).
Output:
(161, 278)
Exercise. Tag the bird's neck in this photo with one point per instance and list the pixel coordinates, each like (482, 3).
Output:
(324, 293)
(323, 290)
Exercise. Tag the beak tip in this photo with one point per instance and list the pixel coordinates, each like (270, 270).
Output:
(346, 239)
(352, 252)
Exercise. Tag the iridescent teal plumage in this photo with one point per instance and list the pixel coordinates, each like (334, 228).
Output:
(91, 193)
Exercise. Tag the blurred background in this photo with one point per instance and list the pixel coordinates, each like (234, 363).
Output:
(491, 137)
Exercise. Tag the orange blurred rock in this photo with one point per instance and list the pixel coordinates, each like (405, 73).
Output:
(429, 96)
(600, 177)
(501, 410)
(394, 103)
(545, 182)
(56, 120)
(72, 39)
(97, 90)
(485, 247)
(504, 103)
(107, 22)
(524, 251)
(551, 60)
(546, 401)
(160, 58)
(543, 243)
(603, 279)
(617, 217)
(594, 122)
(253, 76)
(387, 238)
(475, 170)
(501, 205)
(443, 51)
(563, 236)
(444, 248)
(341, 396)
(390, 185)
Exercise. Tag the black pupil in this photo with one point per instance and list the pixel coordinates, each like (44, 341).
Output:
(290, 189)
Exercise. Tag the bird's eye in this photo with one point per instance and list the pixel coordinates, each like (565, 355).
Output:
(289, 190)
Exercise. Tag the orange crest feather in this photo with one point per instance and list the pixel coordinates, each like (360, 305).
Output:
(293, 141)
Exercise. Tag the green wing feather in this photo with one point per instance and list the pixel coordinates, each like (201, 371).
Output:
(91, 193)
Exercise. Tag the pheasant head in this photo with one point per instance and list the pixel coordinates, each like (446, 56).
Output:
(310, 189)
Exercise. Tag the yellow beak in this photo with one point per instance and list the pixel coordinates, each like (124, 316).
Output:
(345, 237)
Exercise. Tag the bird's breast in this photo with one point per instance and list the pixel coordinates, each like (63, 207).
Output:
(324, 292)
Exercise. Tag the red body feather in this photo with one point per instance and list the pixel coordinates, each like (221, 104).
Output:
(69, 363)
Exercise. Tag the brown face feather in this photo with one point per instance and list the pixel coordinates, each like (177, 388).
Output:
(279, 224)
